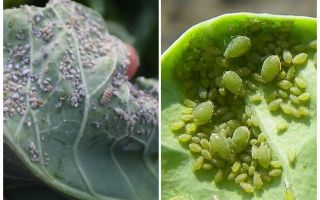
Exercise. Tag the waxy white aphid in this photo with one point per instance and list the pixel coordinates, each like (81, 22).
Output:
(238, 46)
(203, 112)
(233, 83)
(270, 68)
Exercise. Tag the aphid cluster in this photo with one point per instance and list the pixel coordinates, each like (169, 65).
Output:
(220, 130)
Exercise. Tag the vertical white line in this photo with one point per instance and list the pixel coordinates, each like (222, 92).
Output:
(159, 39)
(1, 97)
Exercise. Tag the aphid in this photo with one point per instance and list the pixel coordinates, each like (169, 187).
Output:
(270, 68)
(198, 163)
(212, 94)
(287, 56)
(300, 58)
(251, 170)
(291, 73)
(245, 158)
(236, 166)
(247, 187)
(106, 96)
(206, 154)
(284, 84)
(205, 144)
(253, 142)
(206, 166)
(222, 110)
(203, 112)
(220, 146)
(219, 176)
(291, 156)
(191, 128)
(264, 155)
(195, 147)
(300, 82)
(257, 181)
(251, 86)
(202, 136)
(243, 71)
(286, 109)
(295, 90)
(189, 103)
(186, 117)
(187, 111)
(304, 111)
(275, 172)
(245, 166)
(304, 97)
(240, 138)
(238, 46)
(276, 164)
(231, 176)
(281, 75)
(184, 137)
(233, 83)
(275, 105)
(262, 138)
(196, 140)
(256, 98)
(222, 92)
(294, 99)
(240, 178)
(177, 125)
(282, 127)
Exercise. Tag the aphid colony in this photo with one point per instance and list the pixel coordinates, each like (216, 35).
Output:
(220, 130)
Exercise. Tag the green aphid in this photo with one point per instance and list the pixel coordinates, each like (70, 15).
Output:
(275, 105)
(257, 180)
(219, 176)
(191, 128)
(243, 71)
(304, 97)
(251, 86)
(287, 56)
(264, 155)
(245, 158)
(241, 178)
(231, 176)
(300, 58)
(236, 167)
(276, 164)
(195, 147)
(283, 94)
(222, 110)
(295, 90)
(220, 146)
(275, 172)
(198, 163)
(186, 117)
(294, 99)
(284, 84)
(253, 142)
(189, 103)
(175, 126)
(251, 170)
(206, 154)
(256, 99)
(240, 139)
(270, 68)
(203, 112)
(247, 187)
(300, 82)
(291, 73)
(222, 92)
(184, 138)
(202, 135)
(206, 166)
(232, 81)
(282, 127)
(281, 75)
(262, 138)
(205, 144)
(196, 139)
(304, 111)
(238, 46)
(291, 156)
(286, 109)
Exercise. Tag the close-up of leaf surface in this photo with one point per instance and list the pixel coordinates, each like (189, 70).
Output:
(178, 180)
(72, 120)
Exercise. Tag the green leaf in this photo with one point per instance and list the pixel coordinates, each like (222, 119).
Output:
(178, 180)
(71, 115)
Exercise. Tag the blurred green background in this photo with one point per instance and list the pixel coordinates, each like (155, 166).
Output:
(179, 15)
(135, 22)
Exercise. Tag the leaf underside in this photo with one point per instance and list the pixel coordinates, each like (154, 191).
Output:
(71, 115)
(178, 180)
